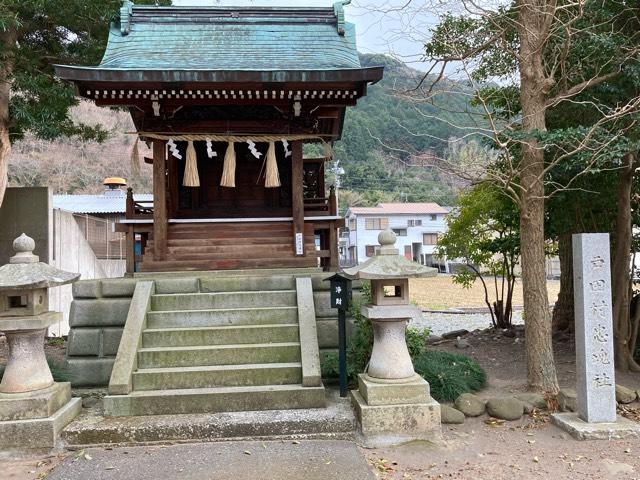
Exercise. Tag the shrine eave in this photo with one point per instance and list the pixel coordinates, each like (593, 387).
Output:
(97, 74)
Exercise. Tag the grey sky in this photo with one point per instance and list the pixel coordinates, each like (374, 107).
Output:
(380, 28)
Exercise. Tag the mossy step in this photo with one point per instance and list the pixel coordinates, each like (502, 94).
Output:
(223, 317)
(193, 336)
(162, 357)
(218, 376)
(217, 300)
(213, 400)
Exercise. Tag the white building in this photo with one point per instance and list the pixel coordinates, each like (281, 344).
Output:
(417, 226)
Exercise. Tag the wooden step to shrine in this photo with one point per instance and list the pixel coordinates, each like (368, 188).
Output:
(148, 265)
(221, 349)
(227, 246)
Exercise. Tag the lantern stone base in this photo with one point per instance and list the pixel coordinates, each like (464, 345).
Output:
(31, 422)
(393, 413)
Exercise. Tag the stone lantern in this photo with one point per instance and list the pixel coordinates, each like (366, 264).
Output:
(393, 403)
(33, 408)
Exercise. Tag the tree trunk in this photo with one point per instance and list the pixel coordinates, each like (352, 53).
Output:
(563, 314)
(620, 269)
(7, 41)
(535, 17)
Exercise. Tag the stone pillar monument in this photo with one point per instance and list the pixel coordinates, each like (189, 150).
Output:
(595, 372)
(33, 408)
(393, 403)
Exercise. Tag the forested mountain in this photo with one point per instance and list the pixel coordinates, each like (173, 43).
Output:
(394, 140)
(387, 132)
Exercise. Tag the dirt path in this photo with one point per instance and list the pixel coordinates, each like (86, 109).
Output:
(513, 450)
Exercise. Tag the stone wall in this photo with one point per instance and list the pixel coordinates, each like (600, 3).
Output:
(98, 314)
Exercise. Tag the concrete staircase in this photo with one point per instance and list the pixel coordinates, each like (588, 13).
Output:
(234, 345)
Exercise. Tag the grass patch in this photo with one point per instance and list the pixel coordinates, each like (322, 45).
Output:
(58, 371)
(449, 374)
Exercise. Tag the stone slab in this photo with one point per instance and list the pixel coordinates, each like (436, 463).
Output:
(328, 331)
(308, 460)
(99, 312)
(39, 404)
(37, 435)
(386, 425)
(89, 371)
(84, 342)
(87, 289)
(374, 393)
(177, 285)
(111, 341)
(581, 430)
(595, 374)
(118, 287)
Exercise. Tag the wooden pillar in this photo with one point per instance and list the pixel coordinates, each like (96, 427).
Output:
(160, 221)
(333, 202)
(333, 247)
(130, 206)
(297, 197)
(131, 249)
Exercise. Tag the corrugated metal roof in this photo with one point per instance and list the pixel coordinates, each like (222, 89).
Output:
(231, 38)
(105, 203)
(401, 209)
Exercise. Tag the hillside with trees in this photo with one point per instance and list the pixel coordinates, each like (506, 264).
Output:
(390, 150)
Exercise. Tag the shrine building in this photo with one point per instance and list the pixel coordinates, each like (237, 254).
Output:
(227, 97)
(226, 307)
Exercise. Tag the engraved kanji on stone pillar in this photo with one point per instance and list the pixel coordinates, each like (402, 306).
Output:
(595, 379)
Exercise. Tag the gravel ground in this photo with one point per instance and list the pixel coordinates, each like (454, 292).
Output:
(440, 323)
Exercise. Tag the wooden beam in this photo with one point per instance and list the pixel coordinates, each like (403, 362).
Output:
(160, 220)
(297, 197)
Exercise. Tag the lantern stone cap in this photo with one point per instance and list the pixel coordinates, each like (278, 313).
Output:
(25, 271)
(388, 264)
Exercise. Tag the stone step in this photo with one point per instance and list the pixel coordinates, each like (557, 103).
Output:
(222, 317)
(217, 376)
(217, 300)
(247, 283)
(212, 400)
(163, 357)
(193, 336)
(333, 422)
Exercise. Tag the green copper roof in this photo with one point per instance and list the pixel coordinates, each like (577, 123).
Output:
(231, 38)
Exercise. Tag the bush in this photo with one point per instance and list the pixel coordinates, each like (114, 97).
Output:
(449, 374)
(416, 340)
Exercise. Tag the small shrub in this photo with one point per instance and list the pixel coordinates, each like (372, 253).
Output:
(416, 340)
(449, 374)
(329, 367)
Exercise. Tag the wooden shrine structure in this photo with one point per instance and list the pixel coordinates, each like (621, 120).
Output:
(227, 96)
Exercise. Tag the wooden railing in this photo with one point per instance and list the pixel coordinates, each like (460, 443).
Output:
(322, 205)
(138, 210)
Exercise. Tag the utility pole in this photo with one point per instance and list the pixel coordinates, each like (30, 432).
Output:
(337, 171)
